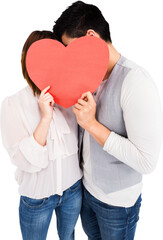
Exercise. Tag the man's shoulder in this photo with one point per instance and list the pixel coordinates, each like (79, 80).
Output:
(127, 63)
(135, 70)
(138, 79)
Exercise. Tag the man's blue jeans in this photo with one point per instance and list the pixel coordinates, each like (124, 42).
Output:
(35, 215)
(104, 222)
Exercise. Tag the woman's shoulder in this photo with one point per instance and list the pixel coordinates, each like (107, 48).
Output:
(24, 92)
(23, 95)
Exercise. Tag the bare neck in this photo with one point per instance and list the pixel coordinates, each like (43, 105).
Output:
(114, 56)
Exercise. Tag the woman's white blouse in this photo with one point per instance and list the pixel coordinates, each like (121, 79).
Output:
(42, 171)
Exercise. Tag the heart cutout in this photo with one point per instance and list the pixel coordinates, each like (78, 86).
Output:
(71, 70)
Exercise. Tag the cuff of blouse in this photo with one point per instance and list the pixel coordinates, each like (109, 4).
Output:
(34, 153)
(38, 146)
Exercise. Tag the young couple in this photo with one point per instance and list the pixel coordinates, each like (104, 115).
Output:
(114, 136)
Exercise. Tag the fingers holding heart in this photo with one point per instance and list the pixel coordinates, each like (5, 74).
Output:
(44, 91)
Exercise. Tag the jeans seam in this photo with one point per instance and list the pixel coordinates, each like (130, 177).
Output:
(128, 216)
(137, 209)
(58, 225)
(137, 212)
(20, 205)
(127, 222)
(62, 201)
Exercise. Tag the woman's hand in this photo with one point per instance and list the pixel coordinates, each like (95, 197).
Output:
(46, 102)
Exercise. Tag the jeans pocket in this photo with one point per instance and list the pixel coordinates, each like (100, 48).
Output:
(33, 203)
(75, 186)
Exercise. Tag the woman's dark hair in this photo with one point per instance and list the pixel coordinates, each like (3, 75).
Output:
(78, 18)
(33, 37)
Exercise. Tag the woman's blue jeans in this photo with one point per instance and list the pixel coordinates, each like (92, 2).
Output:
(35, 214)
(104, 222)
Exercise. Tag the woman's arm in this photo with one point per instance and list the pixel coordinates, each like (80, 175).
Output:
(45, 102)
(27, 150)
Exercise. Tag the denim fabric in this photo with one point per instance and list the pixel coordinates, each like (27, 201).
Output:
(104, 222)
(35, 214)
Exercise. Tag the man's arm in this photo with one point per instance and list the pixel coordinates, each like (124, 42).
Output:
(143, 120)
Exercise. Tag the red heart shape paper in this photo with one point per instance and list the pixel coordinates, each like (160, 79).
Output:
(71, 70)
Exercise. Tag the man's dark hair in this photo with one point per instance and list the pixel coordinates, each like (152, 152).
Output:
(78, 18)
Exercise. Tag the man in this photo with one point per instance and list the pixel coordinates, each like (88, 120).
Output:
(120, 132)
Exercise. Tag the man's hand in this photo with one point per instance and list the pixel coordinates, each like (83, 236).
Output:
(85, 110)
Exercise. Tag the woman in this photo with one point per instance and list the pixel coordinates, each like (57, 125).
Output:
(41, 139)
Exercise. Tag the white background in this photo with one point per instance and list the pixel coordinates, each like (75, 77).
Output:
(136, 30)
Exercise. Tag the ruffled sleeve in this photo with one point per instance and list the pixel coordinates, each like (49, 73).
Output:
(25, 152)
